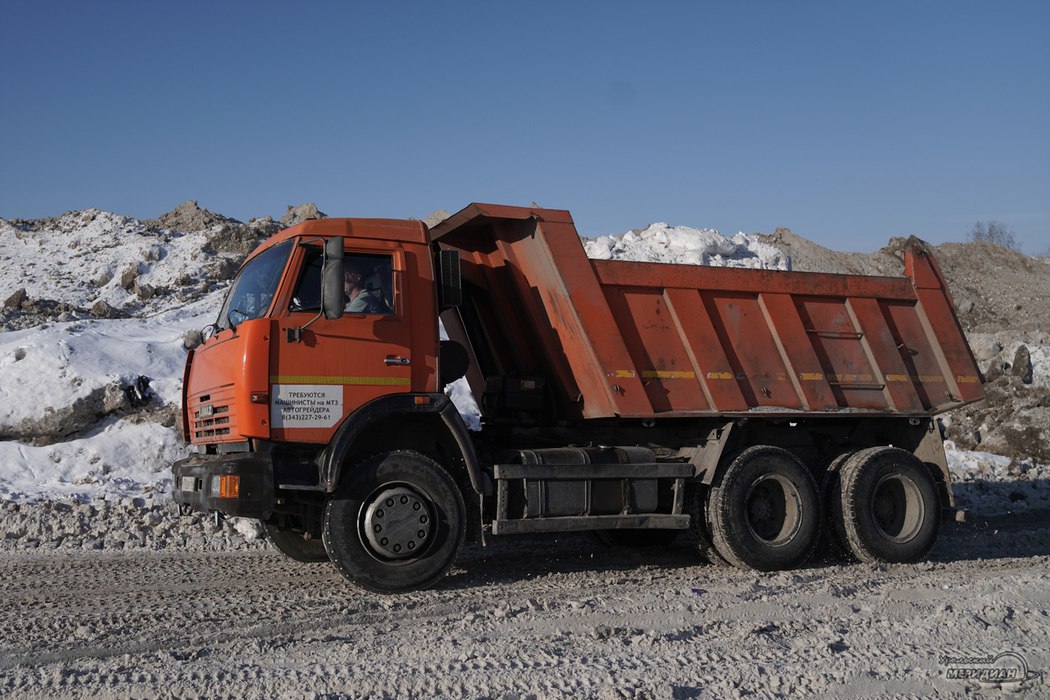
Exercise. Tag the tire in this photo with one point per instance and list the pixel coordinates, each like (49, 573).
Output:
(636, 538)
(699, 532)
(395, 524)
(294, 546)
(889, 509)
(831, 542)
(764, 511)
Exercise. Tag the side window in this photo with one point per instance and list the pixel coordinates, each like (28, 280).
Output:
(307, 295)
(368, 286)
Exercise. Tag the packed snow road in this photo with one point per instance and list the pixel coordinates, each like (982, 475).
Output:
(524, 618)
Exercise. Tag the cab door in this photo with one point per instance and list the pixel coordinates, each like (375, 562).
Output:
(339, 365)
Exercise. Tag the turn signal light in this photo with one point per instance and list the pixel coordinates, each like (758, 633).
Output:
(260, 397)
(229, 486)
(422, 400)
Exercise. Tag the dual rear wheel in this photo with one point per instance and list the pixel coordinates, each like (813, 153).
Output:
(765, 511)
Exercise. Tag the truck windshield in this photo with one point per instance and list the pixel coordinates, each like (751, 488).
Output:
(254, 287)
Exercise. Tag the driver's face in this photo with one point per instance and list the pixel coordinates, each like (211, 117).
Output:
(351, 280)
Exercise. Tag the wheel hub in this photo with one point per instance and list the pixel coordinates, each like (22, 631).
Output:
(398, 523)
(773, 508)
(897, 507)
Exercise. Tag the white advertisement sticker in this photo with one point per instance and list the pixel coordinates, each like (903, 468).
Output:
(306, 405)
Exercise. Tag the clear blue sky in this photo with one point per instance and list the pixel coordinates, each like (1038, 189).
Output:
(847, 122)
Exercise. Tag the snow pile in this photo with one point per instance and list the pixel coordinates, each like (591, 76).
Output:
(95, 264)
(1006, 353)
(1014, 418)
(113, 385)
(117, 459)
(57, 379)
(688, 246)
(83, 258)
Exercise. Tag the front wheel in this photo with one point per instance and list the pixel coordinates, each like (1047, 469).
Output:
(395, 524)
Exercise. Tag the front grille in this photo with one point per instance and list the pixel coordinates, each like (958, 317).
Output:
(218, 424)
(212, 416)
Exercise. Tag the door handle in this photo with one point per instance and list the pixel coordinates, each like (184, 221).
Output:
(398, 361)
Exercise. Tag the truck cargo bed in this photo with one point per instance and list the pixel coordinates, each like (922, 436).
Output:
(647, 340)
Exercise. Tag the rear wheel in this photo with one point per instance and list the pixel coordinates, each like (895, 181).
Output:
(764, 512)
(395, 524)
(295, 546)
(888, 509)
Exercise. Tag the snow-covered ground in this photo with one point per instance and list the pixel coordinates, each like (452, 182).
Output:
(78, 423)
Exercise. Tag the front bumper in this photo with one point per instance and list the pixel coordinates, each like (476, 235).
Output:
(196, 484)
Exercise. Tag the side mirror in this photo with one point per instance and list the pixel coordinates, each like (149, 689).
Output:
(332, 279)
(450, 285)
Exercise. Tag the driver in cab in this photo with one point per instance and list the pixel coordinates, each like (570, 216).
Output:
(359, 299)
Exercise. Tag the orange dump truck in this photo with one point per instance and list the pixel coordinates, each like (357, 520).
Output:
(754, 409)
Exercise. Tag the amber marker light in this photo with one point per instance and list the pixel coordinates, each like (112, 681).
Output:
(422, 400)
(229, 486)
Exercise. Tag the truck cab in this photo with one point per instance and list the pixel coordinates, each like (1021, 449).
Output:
(284, 391)
(258, 376)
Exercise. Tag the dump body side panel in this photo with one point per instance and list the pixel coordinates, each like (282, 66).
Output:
(646, 340)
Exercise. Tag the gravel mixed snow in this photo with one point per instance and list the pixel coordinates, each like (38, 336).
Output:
(528, 618)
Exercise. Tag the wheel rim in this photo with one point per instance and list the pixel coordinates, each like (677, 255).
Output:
(774, 510)
(897, 507)
(397, 522)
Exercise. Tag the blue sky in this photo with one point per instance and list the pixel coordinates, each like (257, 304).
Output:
(846, 122)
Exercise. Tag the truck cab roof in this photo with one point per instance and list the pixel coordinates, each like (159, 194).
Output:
(385, 229)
